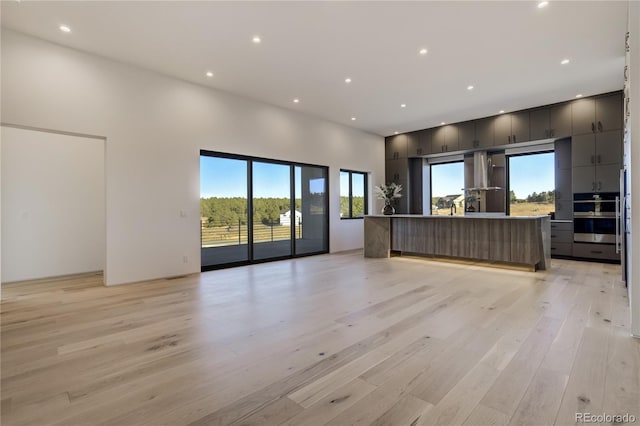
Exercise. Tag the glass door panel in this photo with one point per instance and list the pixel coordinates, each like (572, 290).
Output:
(223, 211)
(272, 211)
(311, 231)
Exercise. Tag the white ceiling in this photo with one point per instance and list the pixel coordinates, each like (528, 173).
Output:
(509, 50)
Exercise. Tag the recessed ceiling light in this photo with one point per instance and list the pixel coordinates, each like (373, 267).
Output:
(579, 95)
(353, 119)
(443, 123)
(542, 4)
(469, 87)
(564, 62)
(256, 39)
(347, 80)
(209, 74)
(403, 105)
(423, 51)
(501, 111)
(296, 100)
(65, 29)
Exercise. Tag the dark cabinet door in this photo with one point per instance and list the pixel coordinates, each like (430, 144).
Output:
(466, 135)
(563, 184)
(396, 147)
(563, 153)
(583, 149)
(584, 179)
(608, 178)
(560, 120)
(397, 171)
(609, 112)
(539, 124)
(520, 127)
(583, 116)
(438, 141)
(502, 129)
(564, 209)
(413, 145)
(425, 137)
(451, 135)
(609, 147)
(484, 132)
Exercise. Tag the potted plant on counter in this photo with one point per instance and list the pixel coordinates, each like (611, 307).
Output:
(388, 193)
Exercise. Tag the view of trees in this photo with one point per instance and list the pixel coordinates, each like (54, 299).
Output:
(228, 211)
(543, 197)
(358, 206)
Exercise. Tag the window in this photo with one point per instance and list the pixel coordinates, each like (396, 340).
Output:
(254, 209)
(447, 195)
(353, 194)
(531, 184)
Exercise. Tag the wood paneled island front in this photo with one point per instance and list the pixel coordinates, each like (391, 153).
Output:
(519, 240)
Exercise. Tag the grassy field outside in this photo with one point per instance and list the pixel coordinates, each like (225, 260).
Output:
(531, 209)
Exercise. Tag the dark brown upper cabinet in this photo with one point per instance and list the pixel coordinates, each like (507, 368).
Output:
(395, 147)
(600, 114)
(445, 139)
(511, 128)
(466, 135)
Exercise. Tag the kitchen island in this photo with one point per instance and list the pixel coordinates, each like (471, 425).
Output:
(517, 240)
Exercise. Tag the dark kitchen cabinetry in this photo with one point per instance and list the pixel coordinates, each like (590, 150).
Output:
(475, 134)
(561, 238)
(604, 178)
(550, 122)
(445, 139)
(563, 186)
(395, 147)
(397, 171)
(466, 135)
(512, 128)
(600, 114)
(596, 161)
(419, 143)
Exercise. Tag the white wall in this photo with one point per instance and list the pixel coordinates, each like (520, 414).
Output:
(52, 204)
(155, 127)
(633, 158)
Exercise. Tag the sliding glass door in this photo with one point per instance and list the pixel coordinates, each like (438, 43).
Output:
(223, 211)
(312, 233)
(272, 213)
(253, 210)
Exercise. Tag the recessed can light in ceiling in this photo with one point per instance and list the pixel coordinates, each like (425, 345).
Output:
(296, 100)
(353, 119)
(543, 4)
(564, 62)
(403, 105)
(423, 51)
(501, 111)
(65, 29)
(395, 133)
(579, 95)
(209, 74)
(347, 80)
(469, 87)
(443, 123)
(256, 39)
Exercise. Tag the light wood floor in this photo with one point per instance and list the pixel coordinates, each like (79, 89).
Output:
(332, 339)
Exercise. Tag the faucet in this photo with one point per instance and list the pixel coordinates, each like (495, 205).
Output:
(453, 209)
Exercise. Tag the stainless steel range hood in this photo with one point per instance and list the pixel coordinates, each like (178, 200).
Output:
(482, 173)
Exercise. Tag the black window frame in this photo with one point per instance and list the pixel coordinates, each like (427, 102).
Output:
(431, 180)
(366, 193)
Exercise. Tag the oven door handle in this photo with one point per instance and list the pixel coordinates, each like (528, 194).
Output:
(618, 239)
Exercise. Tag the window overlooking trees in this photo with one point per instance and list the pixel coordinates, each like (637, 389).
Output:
(353, 194)
(532, 184)
(257, 209)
